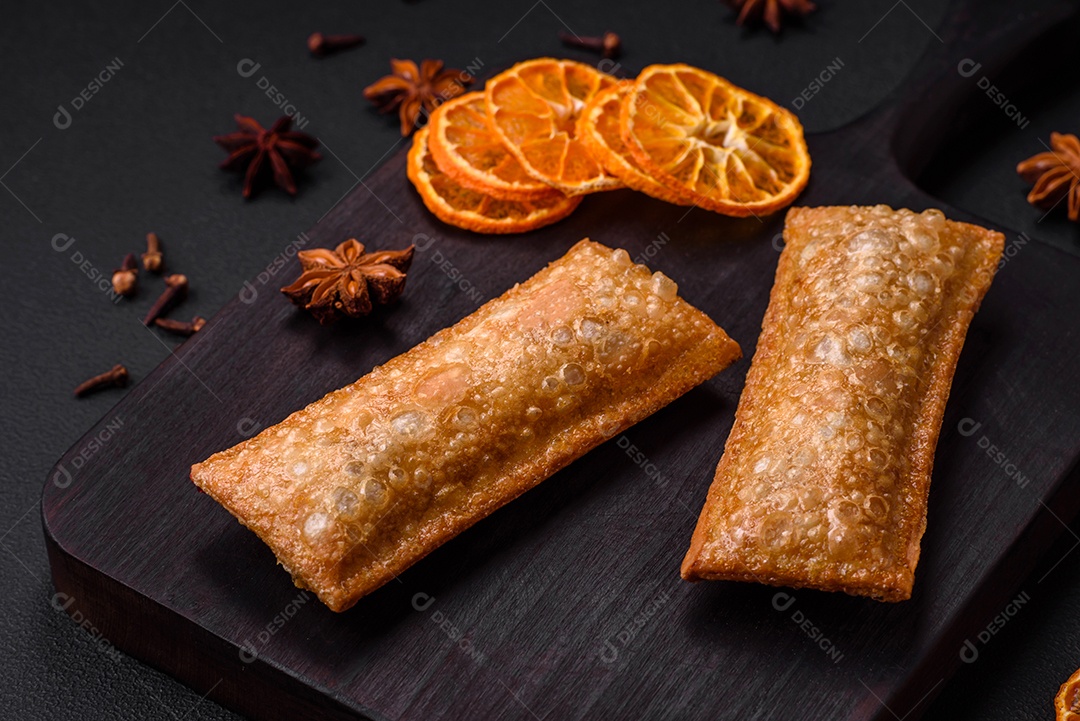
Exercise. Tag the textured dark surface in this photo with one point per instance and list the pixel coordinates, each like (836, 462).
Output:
(137, 157)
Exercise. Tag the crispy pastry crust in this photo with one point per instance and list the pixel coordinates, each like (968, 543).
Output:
(358, 486)
(824, 479)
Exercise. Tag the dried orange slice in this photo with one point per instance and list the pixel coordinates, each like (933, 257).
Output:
(735, 152)
(534, 107)
(468, 150)
(598, 128)
(1067, 703)
(464, 208)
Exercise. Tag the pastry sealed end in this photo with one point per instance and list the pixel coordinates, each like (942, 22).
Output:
(890, 586)
(824, 478)
(358, 486)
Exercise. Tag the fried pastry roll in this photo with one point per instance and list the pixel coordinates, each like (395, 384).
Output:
(824, 479)
(358, 486)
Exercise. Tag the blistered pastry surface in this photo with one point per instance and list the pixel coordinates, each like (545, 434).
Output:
(357, 486)
(824, 478)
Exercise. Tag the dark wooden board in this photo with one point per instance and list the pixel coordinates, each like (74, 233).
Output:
(567, 603)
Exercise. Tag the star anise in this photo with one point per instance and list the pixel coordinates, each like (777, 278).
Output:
(771, 11)
(412, 91)
(1056, 174)
(346, 281)
(279, 152)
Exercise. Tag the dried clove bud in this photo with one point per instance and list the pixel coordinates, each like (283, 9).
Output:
(152, 259)
(125, 278)
(118, 376)
(609, 44)
(176, 292)
(321, 45)
(179, 327)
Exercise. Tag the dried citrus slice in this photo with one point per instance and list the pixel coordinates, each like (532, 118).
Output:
(1067, 703)
(598, 128)
(471, 210)
(534, 107)
(468, 150)
(737, 153)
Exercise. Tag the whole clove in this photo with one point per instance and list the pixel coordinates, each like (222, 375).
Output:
(609, 44)
(152, 259)
(125, 278)
(322, 45)
(180, 327)
(173, 294)
(117, 377)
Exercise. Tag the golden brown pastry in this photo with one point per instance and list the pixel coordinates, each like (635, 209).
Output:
(824, 479)
(355, 488)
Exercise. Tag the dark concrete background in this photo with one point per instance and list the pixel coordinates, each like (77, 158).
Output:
(138, 157)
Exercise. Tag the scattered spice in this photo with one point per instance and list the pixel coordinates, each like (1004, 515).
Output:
(1056, 174)
(322, 45)
(151, 259)
(771, 11)
(179, 327)
(279, 153)
(173, 294)
(346, 281)
(412, 91)
(609, 44)
(126, 278)
(118, 376)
